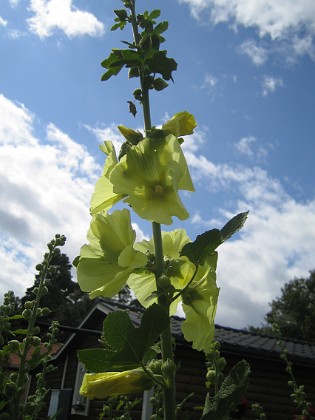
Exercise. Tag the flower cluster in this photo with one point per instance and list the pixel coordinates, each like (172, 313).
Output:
(148, 177)
(150, 173)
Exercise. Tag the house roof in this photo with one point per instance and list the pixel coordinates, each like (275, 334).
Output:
(14, 359)
(232, 340)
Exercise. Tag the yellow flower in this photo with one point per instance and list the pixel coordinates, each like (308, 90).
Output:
(106, 262)
(103, 197)
(179, 269)
(150, 175)
(180, 124)
(102, 385)
(199, 304)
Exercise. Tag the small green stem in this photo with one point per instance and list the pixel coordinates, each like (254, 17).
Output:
(187, 285)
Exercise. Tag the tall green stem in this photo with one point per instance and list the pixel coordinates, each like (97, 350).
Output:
(166, 336)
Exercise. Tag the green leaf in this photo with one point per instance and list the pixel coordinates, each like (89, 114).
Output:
(209, 241)
(234, 225)
(161, 27)
(155, 14)
(161, 64)
(126, 346)
(203, 245)
(20, 332)
(230, 393)
(13, 317)
(159, 84)
(122, 14)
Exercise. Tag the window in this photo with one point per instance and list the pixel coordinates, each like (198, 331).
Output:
(80, 404)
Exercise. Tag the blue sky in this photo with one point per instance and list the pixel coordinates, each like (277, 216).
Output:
(247, 73)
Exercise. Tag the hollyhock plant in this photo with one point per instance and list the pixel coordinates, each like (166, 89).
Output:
(106, 262)
(150, 175)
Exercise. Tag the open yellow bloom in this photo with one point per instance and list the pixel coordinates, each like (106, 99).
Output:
(179, 269)
(103, 197)
(102, 385)
(150, 175)
(107, 261)
(199, 304)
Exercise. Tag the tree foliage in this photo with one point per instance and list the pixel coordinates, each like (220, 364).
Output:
(293, 311)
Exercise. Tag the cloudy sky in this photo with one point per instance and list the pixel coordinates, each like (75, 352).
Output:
(245, 70)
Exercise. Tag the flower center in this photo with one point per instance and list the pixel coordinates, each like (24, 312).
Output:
(158, 189)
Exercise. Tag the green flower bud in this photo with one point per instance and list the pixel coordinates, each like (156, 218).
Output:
(155, 366)
(221, 363)
(14, 346)
(137, 94)
(132, 136)
(36, 341)
(44, 290)
(27, 313)
(211, 375)
(14, 377)
(46, 311)
(29, 304)
(39, 267)
(168, 368)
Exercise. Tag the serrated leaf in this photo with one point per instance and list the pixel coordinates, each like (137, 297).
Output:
(126, 346)
(203, 245)
(209, 241)
(161, 64)
(233, 226)
(230, 393)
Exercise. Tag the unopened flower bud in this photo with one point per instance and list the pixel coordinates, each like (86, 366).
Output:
(14, 346)
(29, 304)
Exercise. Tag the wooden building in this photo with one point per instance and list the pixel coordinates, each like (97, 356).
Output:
(268, 380)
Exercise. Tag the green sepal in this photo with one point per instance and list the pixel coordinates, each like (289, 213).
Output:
(230, 393)
(125, 346)
(209, 241)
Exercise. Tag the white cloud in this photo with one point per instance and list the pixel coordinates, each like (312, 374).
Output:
(14, 3)
(61, 14)
(270, 84)
(280, 20)
(110, 132)
(249, 147)
(3, 22)
(210, 80)
(256, 53)
(45, 189)
(276, 244)
(244, 145)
